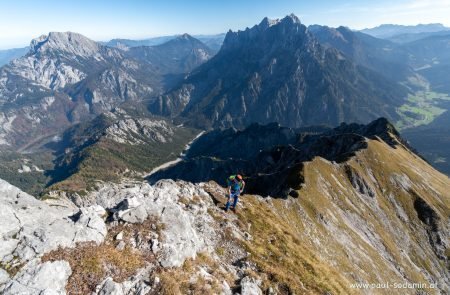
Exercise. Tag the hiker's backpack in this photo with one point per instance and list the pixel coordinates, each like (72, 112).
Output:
(235, 186)
(230, 180)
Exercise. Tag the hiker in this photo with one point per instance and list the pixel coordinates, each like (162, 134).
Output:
(236, 186)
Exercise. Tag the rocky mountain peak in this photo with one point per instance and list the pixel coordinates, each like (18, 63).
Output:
(64, 41)
(267, 30)
(274, 65)
(183, 40)
(267, 22)
(289, 19)
(185, 36)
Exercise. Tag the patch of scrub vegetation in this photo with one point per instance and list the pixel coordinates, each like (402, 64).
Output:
(421, 109)
(12, 267)
(109, 161)
(202, 275)
(92, 263)
(26, 171)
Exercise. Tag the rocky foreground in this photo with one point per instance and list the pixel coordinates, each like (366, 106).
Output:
(380, 216)
(32, 228)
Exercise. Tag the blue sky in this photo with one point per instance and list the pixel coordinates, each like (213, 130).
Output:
(22, 20)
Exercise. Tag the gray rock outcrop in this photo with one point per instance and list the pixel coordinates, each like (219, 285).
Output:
(47, 278)
(189, 231)
(250, 286)
(31, 228)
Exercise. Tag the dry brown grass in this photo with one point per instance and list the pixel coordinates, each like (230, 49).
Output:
(283, 230)
(12, 268)
(183, 280)
(217, 216)
(91, 264)
(197, 199)
(183, 200)
(282, 259)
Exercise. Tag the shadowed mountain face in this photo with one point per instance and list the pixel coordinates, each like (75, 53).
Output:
(179, 55)
(379, 55)
(66, 78)
(278, 71)
(272, 157)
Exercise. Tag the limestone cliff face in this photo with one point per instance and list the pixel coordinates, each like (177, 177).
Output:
(377, 215)
(66, 78)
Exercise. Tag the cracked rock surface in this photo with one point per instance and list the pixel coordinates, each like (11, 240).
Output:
(31, 228)
(45, 278)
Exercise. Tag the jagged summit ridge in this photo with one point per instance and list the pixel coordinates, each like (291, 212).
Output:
(267, 22)
(281, 27)
(69, 42)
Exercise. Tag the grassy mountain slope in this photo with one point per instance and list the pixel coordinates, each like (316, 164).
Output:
(381, 216)
(350, 205)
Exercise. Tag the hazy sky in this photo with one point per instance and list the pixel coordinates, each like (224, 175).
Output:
(22, 20)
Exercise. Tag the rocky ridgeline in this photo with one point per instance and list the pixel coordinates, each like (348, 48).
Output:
(139, 131)
(360, 207)
(32, 228)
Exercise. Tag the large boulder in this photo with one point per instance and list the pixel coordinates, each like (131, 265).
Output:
(250, 286)
(187, 229)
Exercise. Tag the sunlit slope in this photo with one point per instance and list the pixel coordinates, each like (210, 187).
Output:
(382, 216)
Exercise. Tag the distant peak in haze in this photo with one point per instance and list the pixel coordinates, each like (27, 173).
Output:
(185, 36)
(426, 26)
(389, 30)
(183, 39)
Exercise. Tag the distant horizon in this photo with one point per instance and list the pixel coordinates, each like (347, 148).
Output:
(199, 34)
(102, 20)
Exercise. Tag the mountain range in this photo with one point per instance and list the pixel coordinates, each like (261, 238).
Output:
(9, 54)
(114, 160)
(66, 78)
(278, 71)
(214, 42)
(338, 75)
(387, 31)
